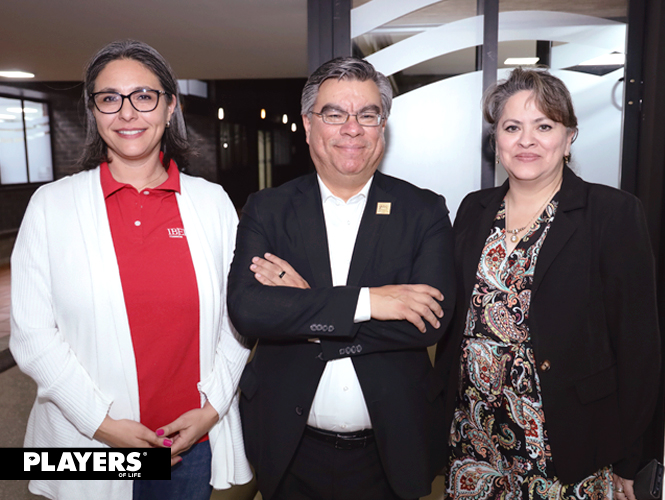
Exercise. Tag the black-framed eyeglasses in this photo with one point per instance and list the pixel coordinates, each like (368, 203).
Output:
(142, 100)
(338, 117)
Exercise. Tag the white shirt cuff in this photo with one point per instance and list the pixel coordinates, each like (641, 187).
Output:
(364, 308)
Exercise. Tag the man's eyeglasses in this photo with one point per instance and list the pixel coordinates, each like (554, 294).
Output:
(337, 117)
(142, 100)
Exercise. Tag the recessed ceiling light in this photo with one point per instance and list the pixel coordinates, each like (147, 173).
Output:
(521, 61)
(285, 119)
(220, 113)
(613, 59)
(16, 74)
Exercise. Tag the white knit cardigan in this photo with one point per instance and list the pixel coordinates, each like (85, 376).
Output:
(70, 332)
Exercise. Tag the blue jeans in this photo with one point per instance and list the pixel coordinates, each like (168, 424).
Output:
(190, 479)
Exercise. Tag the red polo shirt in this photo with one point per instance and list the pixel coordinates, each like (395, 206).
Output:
(161, 296)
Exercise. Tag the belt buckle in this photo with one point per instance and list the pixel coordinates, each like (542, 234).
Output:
(348, 444)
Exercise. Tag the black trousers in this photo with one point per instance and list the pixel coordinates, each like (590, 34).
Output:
(321, 472)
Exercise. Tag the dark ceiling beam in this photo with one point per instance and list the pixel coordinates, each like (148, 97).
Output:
(328, 31)
(487, 60)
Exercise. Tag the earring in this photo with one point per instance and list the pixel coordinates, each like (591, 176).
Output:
(497, 159)
(168, 124)
(566, 159)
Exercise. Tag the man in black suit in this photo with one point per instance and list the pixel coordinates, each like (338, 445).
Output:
(341, 276)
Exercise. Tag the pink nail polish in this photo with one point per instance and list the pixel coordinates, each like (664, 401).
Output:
(160, 432)
(168, 442)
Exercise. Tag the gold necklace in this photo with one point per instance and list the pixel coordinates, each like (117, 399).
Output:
(515, 232)
(156, 181)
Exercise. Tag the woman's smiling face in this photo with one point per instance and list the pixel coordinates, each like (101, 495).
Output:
(530, 145)
(132, 137)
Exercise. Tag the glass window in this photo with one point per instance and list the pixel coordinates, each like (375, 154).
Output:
(583, 43)
(428, 51)
(38, 138)
(25, 142)
(13, 161)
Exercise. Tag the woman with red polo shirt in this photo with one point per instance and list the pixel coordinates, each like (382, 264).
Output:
(118, 294)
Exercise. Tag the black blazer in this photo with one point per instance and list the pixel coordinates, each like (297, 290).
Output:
(413, 244)
(592, 319)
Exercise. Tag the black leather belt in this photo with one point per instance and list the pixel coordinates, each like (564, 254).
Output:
(342, 440)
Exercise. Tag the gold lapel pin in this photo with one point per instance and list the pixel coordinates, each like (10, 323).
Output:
(383, 208)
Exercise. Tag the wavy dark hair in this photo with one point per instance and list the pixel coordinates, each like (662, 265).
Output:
(174, 141)
(549, 93)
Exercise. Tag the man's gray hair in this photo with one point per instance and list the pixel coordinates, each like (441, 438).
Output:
(346, 68)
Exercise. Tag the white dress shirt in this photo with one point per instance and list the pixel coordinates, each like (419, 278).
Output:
(339, 404)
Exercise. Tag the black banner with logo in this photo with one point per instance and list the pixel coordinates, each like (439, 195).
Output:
(86, 463)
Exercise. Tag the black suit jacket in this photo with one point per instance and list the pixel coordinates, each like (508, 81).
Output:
(592, 320)
(413, 244)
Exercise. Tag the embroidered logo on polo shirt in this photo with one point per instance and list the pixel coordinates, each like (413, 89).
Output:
(176, 232)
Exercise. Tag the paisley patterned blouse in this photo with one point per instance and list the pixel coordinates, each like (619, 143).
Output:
(499, 444)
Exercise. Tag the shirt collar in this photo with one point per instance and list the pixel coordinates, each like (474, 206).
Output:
(326, 194)
(110, 185)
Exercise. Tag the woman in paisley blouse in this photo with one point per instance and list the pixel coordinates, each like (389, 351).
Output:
(553, 361)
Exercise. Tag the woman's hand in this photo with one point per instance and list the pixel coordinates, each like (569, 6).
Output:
(125, 433)
(187, 429)
(273, 271)
(623, 488)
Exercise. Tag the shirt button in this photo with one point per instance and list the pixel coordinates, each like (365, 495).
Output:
(345, 388)
(146, 192)
(545, 366)
(343, 426)
(137, 223)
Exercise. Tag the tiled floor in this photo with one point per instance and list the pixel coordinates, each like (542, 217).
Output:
(4, 307)
(17, 391)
